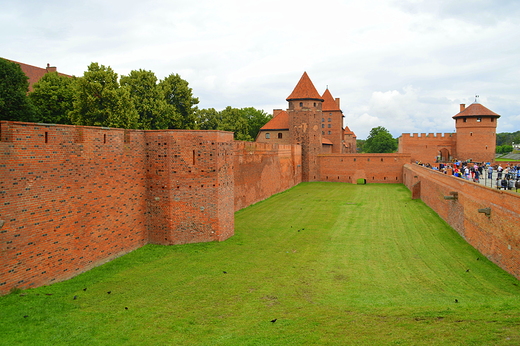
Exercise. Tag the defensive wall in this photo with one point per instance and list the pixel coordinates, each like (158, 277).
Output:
(423, 145)
(373, 168)
(486, 218)
(74, 197)
(264, 169)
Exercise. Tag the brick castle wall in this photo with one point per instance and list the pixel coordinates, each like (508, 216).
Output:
(73, 197)
(262, 170)
(374, 168)
(426, 147)
(70, 199)
(495, 236)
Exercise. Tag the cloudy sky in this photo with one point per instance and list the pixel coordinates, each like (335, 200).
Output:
(402, 64)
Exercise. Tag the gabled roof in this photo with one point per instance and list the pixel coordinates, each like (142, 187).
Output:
(347, 131)
(329, 103)
(326, 141)
(279, 122)
(476, 110)
(304, 90)
(35, 73)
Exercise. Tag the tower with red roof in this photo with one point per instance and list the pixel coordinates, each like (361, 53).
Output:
(476, 132)
(305, 114)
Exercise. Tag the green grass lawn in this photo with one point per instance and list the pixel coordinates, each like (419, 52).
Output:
(329, 263)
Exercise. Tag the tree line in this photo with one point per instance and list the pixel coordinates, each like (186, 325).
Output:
(101, 98)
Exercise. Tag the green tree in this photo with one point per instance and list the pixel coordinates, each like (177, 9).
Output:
(53, 97)
(256, 119)
(182, 105)
(380, 141)
(233, 119)
(207, 119)
(14, 85)
(100, 101)
(147, 97)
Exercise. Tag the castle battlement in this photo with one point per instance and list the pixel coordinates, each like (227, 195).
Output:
(427, 135)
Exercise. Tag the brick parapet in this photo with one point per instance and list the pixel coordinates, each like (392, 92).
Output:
(374, 168)
(496, 236)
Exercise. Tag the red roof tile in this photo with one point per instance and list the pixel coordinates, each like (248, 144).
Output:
(476, 110)
(347, 131)
(279, 122)
(35, 73)
(329, 103)
(326, 141)
(304, 90)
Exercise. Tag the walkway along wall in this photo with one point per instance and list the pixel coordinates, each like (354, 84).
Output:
(74, 197)
(496, 235)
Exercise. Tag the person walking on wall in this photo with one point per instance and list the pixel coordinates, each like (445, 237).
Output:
(490, 172)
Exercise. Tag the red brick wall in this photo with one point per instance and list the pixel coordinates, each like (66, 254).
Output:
(496, 236)
(190, 186)
(375, 168)
(305, 127)
(262, 169)
(426, 147)
(71, 198)
(74, 197)
(476, 139)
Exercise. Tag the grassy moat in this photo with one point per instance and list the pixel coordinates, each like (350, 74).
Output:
(319, 264)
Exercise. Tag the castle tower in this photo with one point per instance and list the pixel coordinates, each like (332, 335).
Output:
(476, 133)
(305, 114)
(332, 122)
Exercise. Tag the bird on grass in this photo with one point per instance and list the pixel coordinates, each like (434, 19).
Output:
(109, 292)
(273, 321)
(75, 297)
(225, 272)
(85, 289)
(467, 270)
(456, 300)
(126, 308)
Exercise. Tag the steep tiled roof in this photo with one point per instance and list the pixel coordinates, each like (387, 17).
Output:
(35, 73)
(476, 110)
(279, 122)
(347, 131)
(304, 90)
(326, 141)
(329, 103)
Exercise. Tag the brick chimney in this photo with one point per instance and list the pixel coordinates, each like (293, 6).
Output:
(337, 102)
(462, 107)
(276, 112)
(51, 68)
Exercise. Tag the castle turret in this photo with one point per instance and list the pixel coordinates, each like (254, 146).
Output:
(305, 114)
(332, 122)
(476, 133)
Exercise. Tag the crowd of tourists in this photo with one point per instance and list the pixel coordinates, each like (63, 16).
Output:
(507, 176)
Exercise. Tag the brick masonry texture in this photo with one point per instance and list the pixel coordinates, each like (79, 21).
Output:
(374, 168)
(74, 197)
(496, 236)
(262, 170)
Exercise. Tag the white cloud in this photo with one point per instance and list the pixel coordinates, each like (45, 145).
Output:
(402, 64)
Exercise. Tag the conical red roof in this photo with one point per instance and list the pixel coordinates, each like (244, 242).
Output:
(476, 110)
(329, 104)
(304, 90)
